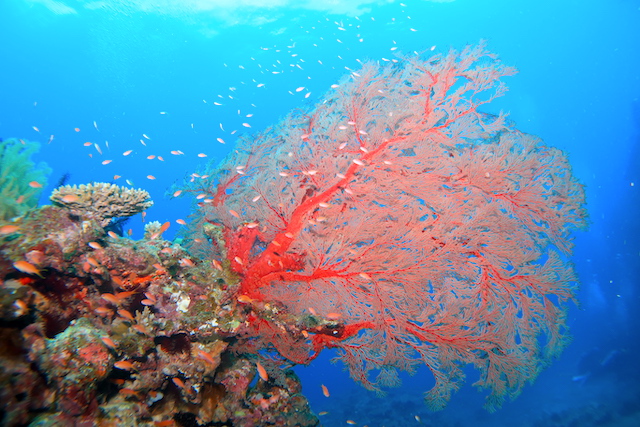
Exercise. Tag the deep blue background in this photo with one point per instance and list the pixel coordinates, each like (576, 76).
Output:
(66, 64)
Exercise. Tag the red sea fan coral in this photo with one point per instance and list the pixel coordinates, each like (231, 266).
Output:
(431, 233)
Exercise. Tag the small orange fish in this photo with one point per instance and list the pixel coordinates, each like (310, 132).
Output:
(140, 328)
(76, 129)
(113, 235)
(321, 413)
(351, 422)
(106, 162)
(70, 198)
(177, 381)
(126, 314)
(35, 184)
(147, 302)
(95, 245)
(110, 298)
(262, 372)
(103, 311)
(124, 295)
(181, 221)
(202, 155)
(216, 264)
(163, 228)
(177, 193)
(109, 342)
(9, 229)
(333, 316)
(125, 365)
(245, 299)
(165, 423)
(234, 213)
(151, 177)
(128, 392)
(325, 390)
(126, 153)
(203, 355)
(186, 262)
(27, 267)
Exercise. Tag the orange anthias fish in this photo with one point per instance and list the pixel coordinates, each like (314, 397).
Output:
(125, 365)
(9, 229)
(325, 390)
(262, 372)
(163, 228)
(26, 267)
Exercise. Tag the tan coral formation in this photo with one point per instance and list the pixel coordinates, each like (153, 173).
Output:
(102, 201)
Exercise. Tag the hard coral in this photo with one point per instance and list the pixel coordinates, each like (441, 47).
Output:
(113, 331)
(101, 201)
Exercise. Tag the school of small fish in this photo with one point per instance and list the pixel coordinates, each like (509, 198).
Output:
(291, 60)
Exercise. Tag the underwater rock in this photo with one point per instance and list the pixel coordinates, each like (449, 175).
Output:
(75, 361)
(103, 330)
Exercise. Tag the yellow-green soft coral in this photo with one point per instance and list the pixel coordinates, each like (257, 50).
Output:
(17, 170)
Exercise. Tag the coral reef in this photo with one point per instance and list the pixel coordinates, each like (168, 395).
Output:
(394, 222)
(21, 180)
(101, 201)
(97, 329)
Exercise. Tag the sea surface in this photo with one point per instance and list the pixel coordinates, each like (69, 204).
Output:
(176, 82)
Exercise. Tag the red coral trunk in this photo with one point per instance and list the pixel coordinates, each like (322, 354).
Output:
(435, 233)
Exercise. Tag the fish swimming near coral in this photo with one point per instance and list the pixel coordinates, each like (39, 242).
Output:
(27, 267)
(9, 229)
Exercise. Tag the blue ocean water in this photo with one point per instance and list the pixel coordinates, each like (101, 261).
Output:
(161, 76)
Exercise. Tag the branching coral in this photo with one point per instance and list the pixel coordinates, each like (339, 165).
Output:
(101, 201)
